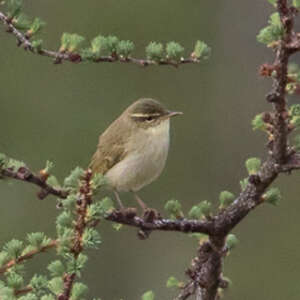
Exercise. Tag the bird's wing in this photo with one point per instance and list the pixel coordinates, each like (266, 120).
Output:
(110, 148)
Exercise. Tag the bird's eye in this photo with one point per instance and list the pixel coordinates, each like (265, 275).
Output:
(150, 118)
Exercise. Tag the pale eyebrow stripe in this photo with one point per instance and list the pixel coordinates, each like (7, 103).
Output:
(139, 115)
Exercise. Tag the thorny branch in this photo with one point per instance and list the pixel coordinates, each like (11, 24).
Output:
(75, 57)
(205, 273)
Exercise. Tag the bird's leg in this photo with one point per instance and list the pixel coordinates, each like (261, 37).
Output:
(139, 201)
(119, 200)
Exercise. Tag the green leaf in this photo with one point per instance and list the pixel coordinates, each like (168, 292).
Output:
(56, 268)
(272, 196)
(173, 282)
(21, 22)
(65, 41)
(48, 297)
(65, 219)
(173, 207)
(273, 2)
(273, 32)
(174, 51)
(226, 198)
(38, 239)
(201, 50)
(125, 48)
(91, 238)
(37, 45)
(231, 241)
(14, 8)
(15, 281)
(73, 179)
(155, 51)
(75, 265)
(79, 289)
(258, 123)
(148, 296)
(56, 285)
(296, 3)
(243, 183)
(295, 110)
(75, 41)
(117, 227)
(36, 26)
(29, 296)
(253, 165)
(4, 258)
(14, 248)
(39, 284)
(98, 180)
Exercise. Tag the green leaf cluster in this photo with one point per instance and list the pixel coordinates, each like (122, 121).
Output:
(70, 42)
(258, 123)
(272, 196)
(201, 50)
(253, 165)
(203, 209)
(148, 296)
(273, 32)
(231, 241)
(173, 207)
(225, 198)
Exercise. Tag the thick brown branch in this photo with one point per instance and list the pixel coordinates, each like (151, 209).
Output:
(59, 57)
(26, 256)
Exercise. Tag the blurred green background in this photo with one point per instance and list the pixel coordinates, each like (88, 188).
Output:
(56, 112)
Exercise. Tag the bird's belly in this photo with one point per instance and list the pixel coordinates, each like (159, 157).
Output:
(140, 167)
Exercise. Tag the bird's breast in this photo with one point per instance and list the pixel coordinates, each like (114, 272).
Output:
(146, 158)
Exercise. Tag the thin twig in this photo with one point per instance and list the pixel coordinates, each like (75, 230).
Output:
(59, 57)
(27, 256)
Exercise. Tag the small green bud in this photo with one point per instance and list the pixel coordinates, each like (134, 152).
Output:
(272, 196)
(201, 51)
(253, 165)
(15, 281)
(14, 8)
(155, 51)
(125, 48)
(173, 207)
(117, 227)
(112, 44)
(258, 123)
(36, 26)
(226, 198)
(79, 289)
(56, 268)
(75, 41)
(243, 183)
(56, 285)
(37, 45)
(174, 51)
(73, 179)
(231, 241)
(65, 41)
(173, 282)
(148, 296)
(273, 32)
(21, 22)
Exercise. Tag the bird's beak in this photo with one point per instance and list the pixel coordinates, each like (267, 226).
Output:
(174, 113)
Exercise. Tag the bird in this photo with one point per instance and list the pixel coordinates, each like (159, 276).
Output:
(133, 150)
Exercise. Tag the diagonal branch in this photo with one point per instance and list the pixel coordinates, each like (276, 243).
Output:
(27, 256)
